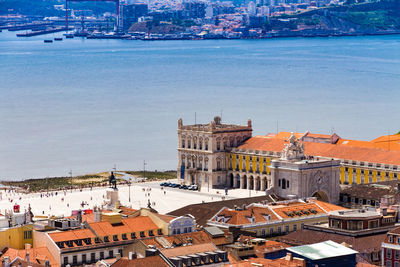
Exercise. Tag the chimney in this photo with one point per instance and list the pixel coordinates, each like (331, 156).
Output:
(289, 257)
(79, 216)
(249, 123)
(97, 214)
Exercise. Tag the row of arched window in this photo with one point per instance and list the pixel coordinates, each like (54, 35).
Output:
(283, 183)
(203, 144)
(194, 143)
(243, 167)
(192, 161)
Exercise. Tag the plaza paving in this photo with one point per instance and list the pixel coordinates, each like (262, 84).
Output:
(65, 201)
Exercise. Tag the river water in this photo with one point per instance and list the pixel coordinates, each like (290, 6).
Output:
(86, 105)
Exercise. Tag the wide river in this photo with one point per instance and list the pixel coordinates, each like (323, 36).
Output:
(86, 105)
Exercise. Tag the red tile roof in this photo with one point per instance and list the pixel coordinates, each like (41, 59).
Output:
(140, 223)
(199, 237)
(106, 228)
(298, 210)
(151, 261)
(71, 235)
(36, 255)
(239, 217)
(187, 250)
(282, 262)
(339, 151)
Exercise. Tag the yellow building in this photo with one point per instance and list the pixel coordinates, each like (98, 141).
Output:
(276, 218)
(16, 237)
(361, 163)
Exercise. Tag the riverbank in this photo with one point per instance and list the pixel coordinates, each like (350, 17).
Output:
(85, 181)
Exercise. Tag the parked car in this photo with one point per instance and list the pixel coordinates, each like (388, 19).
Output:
(193, 187)
(175, 185)
(163, 184)
(183, 186)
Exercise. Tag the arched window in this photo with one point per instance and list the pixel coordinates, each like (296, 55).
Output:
(200, 163)
(194, 142)
(183, 142)
(206, 164)
(206, 144)
(200, 143)
(189, 142)
(188, 162)
(244, 164)
(183, 161)
(225, 143)
(218, 144)
(194, 161)
(218, 164)
(283, 183)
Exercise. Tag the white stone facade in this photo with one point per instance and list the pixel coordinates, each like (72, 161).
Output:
(202, 151)
(295, 176)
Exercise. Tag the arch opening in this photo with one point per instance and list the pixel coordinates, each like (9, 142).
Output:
(321, 195)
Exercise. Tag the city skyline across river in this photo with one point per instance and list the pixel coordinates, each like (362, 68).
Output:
(86, 105)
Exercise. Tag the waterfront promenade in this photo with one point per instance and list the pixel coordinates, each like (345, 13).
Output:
(65, 201)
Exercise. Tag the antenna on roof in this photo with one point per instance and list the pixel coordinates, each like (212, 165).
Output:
(277, 127)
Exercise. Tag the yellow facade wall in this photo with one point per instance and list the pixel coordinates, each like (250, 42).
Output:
(383, 176)
(233, 161)
(390, 176)
(268, 164)
(342, 174)
(350, 175)
(16, 237)
(374, 176)
(254, 164)
(358, 174)
(261, 162)
(366, 174)
(247, 163)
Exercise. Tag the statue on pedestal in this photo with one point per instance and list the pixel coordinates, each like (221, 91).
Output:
(112, 181)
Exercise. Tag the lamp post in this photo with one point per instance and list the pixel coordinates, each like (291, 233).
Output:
(144, 169)
(129, 185)
(70, 173)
